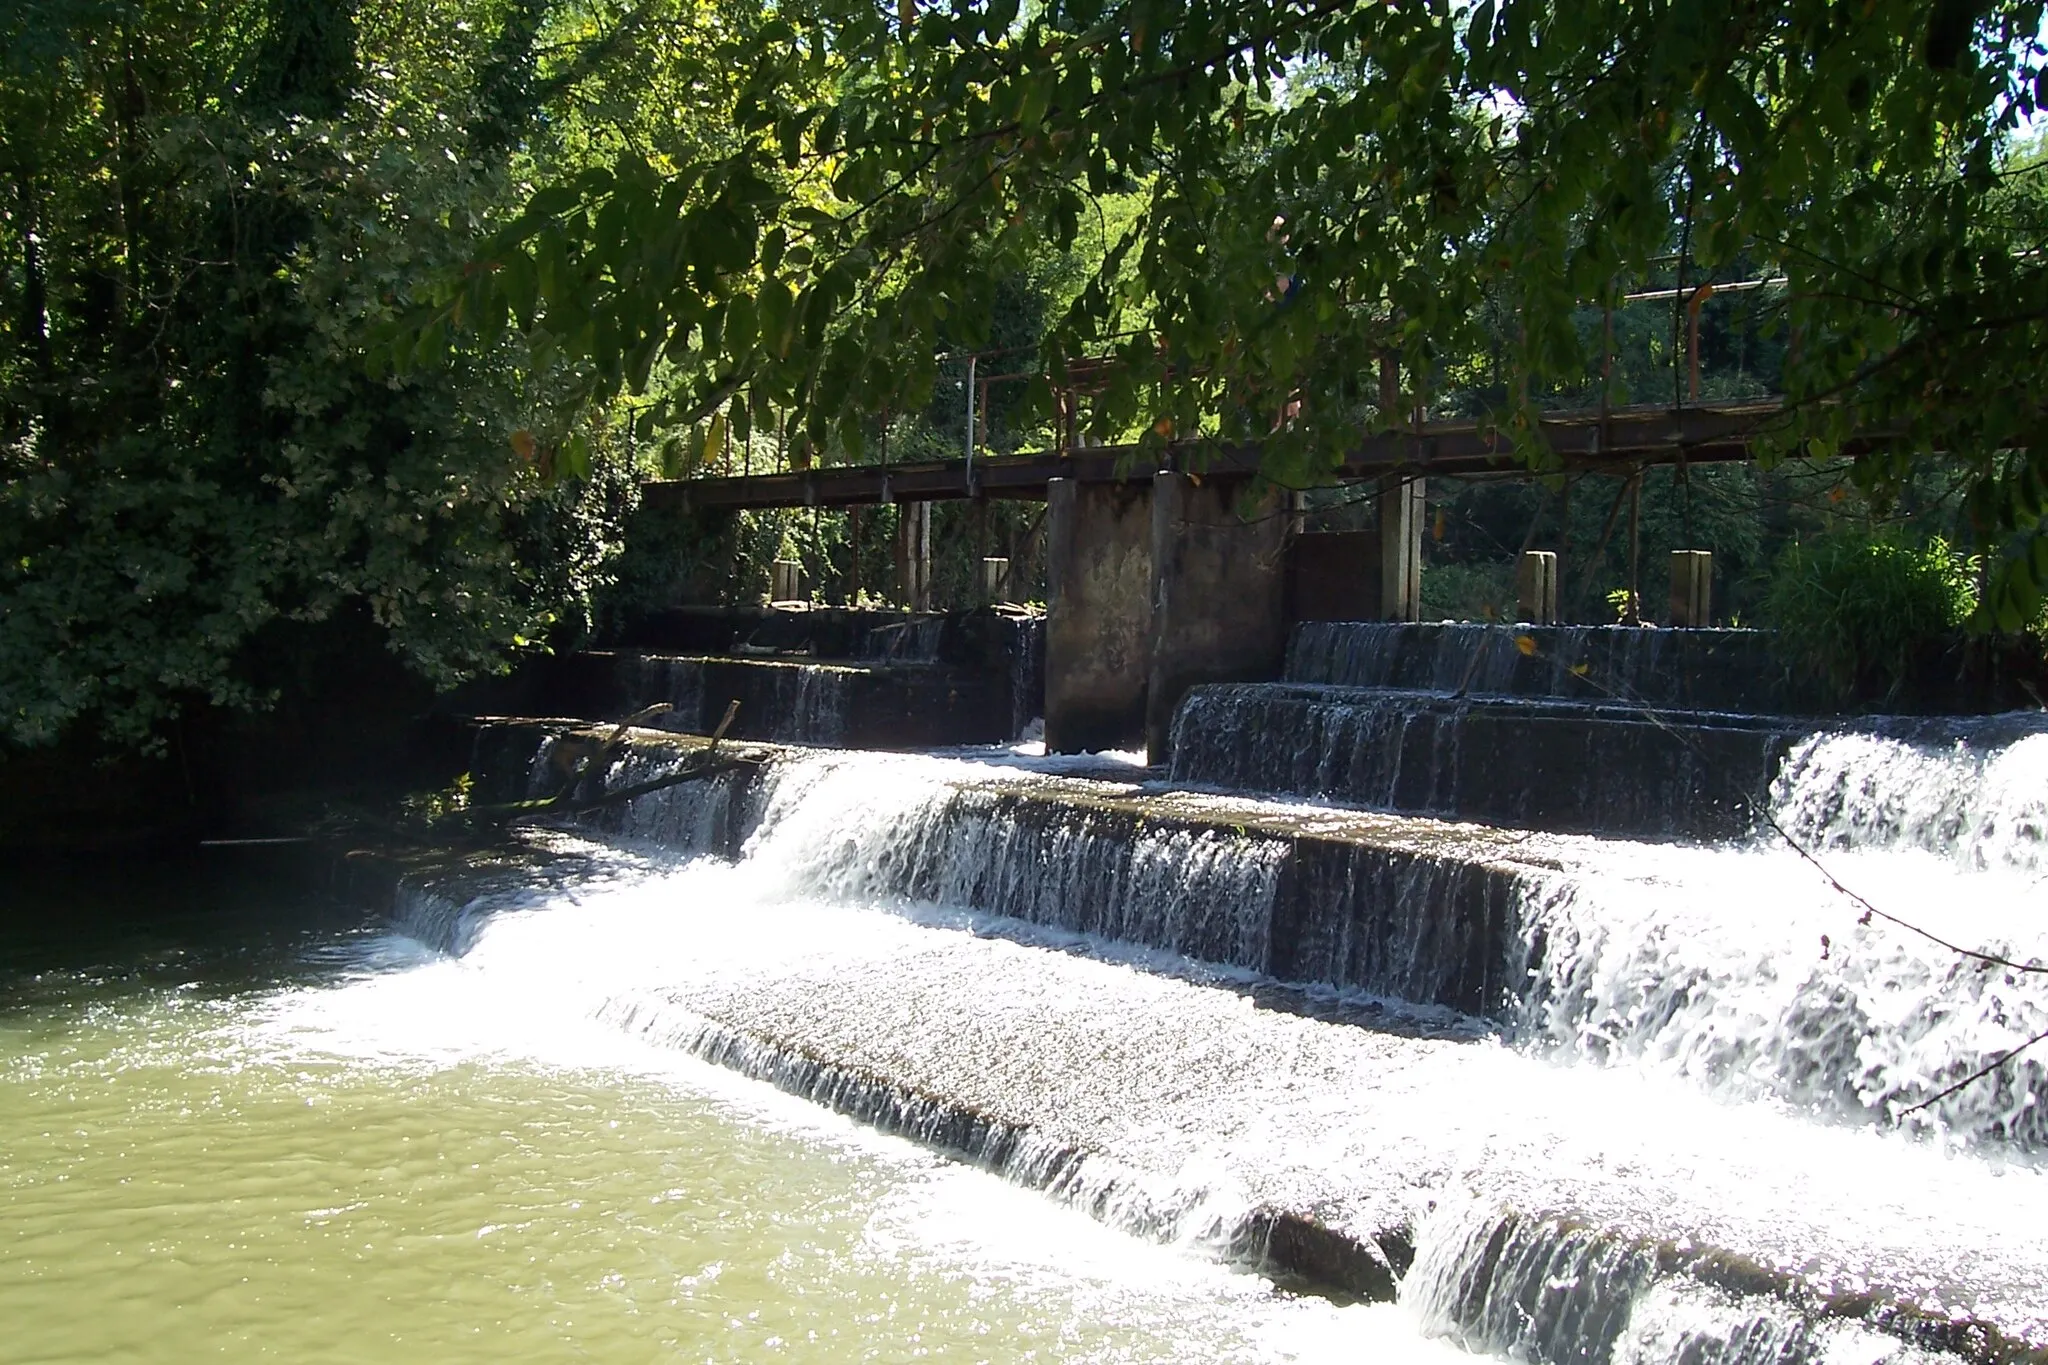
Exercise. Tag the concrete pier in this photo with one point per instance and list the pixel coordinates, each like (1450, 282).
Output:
(1692, 587)
(1218, 595)
(1536, 588)
(1098, 629)
(1402, 511)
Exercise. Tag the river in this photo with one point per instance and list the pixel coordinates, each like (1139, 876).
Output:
(239, 1122)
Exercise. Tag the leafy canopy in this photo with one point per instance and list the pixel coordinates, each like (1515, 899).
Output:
(1319, 183)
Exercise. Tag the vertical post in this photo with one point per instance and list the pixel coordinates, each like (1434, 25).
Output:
(786, 581)
(1564, 516)
(1692, 587)
(1632, 614)
(1536, 587)
(853, 535)
(914, 555)
(1692, 334)
(995, 580)
(1401, 513)
(969, 438)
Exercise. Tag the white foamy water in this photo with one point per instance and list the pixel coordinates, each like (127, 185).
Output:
(1193, 1103)
(531, 986)
(1976, 811)
(1744, 970)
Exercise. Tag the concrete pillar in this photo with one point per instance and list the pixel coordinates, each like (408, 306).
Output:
(1402, 511)
(1098, 622)
(785, 581)
(1692, 587)
(1219, 595)
(914, 554)
(995, 580)
(1536, 587)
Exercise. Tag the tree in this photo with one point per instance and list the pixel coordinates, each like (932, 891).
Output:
(208, 210)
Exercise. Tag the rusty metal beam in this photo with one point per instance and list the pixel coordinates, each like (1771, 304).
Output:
(1624, 438)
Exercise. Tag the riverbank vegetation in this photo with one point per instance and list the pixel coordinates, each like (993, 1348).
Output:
(364, 318)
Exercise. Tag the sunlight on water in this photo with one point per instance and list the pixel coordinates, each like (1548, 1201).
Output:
(401, 1158)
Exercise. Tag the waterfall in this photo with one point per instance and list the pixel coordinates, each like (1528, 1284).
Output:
(1562, 1291)
(1749, 971)
(1191, 1212)
(1977, 810)
(1027, 674)
(859, 829)
(1738, 969)
(1536, 764)
(857, 942)
(677, 680)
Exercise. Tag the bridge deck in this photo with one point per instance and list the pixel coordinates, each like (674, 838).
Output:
(1581, 440)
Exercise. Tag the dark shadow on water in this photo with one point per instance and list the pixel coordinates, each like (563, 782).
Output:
(215, 921)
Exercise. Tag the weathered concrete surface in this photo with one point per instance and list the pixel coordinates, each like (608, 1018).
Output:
(1219, 589)
(1333, 576)
(1536, 587)
(1692, 588)
(1701, 670)
(1098, 628)
(1182, 1098)
(1402, 510)
(914, 555)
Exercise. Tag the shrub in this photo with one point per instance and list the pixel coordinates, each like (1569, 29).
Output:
(1853, 606)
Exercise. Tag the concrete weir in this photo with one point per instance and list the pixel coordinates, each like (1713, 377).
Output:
(1576, 1099)
(1421, 1156)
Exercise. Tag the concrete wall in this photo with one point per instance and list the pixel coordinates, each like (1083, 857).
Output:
(1219, 587)
(1098, 629)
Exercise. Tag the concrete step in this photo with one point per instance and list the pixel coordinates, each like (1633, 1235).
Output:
(856, 704)
(1536, 1212)
(1573, 767)
(1696, 670)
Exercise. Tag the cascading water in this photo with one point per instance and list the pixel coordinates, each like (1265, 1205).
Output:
(679, 681)
(1188, 1114)
(828, 959)
(858, 829)
(1741, 969)
(1981, 811)
(1755, 971)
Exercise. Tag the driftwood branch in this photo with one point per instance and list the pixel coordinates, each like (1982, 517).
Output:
(700, 765)
(694, 772)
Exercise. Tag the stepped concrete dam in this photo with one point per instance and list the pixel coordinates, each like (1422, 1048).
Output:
(1594, 994)
(1203, 966)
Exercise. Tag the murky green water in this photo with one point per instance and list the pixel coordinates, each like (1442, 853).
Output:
(233, 1126)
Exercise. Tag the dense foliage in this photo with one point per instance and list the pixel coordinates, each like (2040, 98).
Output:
(1853, 607)
(209, 208)
(1314, 184)
(324, 307)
